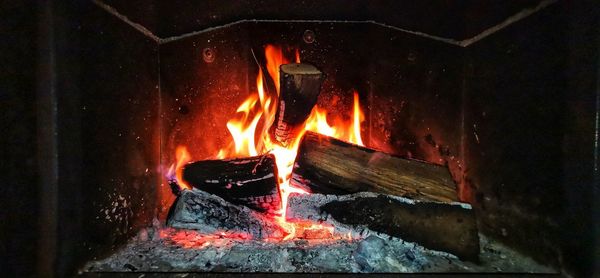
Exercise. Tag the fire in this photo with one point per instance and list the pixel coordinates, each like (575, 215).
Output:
(317, 122)
(258, 110)
(274, 60)
(297, 60)
(176, 170)
(357, 118)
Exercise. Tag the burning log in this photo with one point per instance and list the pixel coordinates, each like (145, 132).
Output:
(330, 166)
(198, 210)
(448, 227)
(250, 181)
(300, 85)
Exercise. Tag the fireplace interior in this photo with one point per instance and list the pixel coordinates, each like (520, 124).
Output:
(424, 137)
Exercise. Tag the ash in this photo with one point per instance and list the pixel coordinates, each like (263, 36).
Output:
(168, 249)
(350, 249)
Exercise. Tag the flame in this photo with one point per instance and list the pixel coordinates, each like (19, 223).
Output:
(176, 170)
(358, 117)
(249, 140)
(350, 132)
(274, 60)
(297, 60)
(242, 130)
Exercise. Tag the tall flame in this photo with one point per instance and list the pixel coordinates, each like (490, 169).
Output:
(274, 60)
(357, 117)
(248, 141)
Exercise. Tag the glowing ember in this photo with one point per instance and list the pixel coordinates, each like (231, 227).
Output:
(195, 240)
(248, 141)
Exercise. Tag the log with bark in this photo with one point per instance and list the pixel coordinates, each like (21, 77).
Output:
(250, 181)
(448, 227)
(198, 210)
(300, 85)
(330, 166)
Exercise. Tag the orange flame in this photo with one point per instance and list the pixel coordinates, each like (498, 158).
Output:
(297, 60)
(317, 122)
(248, 141)
(274, 60)
(176, 170)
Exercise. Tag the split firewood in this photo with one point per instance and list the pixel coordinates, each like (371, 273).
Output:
(448, 227)
(250, 181)
(300, 85)
(330, 166)
(198, 210)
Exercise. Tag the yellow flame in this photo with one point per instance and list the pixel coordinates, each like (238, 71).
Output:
(358, 117)
(243, 136)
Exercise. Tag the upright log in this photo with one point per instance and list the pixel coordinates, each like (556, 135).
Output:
(300, 85)
(250, 181)
(330, 166)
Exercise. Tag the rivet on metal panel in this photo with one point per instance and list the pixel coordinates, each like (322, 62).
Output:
(308, 36)
(208, 54)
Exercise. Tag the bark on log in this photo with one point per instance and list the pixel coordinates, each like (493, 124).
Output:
(250, 181)
(330, 166)
(198, 210)
(448, 227)
(300, 85)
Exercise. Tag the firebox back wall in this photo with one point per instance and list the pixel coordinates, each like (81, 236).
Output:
(499, 111)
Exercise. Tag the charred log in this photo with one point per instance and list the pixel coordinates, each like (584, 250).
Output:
(175, 188)
(300, 85)
(250, 181)
(448, 227)
(198, 210)
(438, 226)
(330, 166)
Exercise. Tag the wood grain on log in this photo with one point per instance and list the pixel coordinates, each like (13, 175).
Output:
(330, 166)
(300, 85)
(250, 181)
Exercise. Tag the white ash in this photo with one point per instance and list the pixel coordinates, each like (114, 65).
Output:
(215, 245)
(373, 254)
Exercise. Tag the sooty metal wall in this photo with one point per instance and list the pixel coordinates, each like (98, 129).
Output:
(505, 93)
